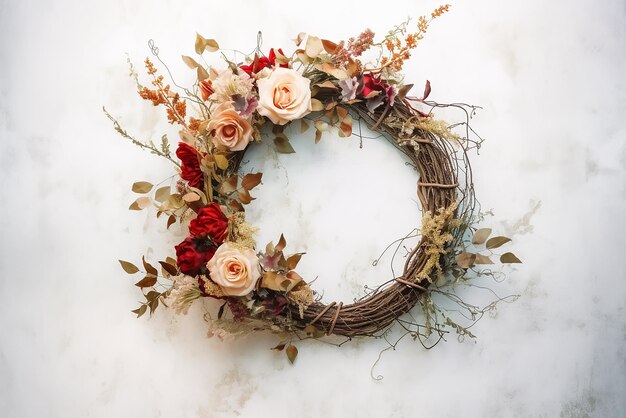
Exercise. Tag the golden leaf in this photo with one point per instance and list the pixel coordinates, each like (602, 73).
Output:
(221, 161)
(292, 353)
(128, 267)
(190, 62)
(142, 187)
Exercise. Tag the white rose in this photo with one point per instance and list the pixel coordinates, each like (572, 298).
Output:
(234, 270)
(284, 96)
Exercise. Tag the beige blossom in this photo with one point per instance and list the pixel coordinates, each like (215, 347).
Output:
(284, 95)
(235, 271)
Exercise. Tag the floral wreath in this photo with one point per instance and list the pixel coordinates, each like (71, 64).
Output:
(328, 85)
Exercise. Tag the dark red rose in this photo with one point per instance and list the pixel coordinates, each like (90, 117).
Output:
(263, 62)
(192, 256)
(372, 84)
(190, 169)
(210, 222)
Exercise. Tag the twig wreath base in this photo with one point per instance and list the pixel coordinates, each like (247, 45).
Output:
(333, 87)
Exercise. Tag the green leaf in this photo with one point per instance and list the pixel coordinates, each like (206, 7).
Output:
(292, 353)
(509, 258)
(129, 268)
(142, 187)
(481, 235)
(496, 242)
(282, 145)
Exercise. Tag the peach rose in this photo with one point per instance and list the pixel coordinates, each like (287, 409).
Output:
(284, 96)
(234, 270)
(229, 129)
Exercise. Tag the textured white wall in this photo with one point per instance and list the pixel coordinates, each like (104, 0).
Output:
(550, 76)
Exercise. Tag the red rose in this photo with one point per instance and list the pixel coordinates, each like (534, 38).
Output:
(192, 256)
(210, 222)
(263, 62)
(372, 84)
(190, 169)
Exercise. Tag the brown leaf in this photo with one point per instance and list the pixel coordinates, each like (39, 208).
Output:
(292, 353)
(199, 46)
(191, 197)
(139, 204)
(221, 161)
(303, 126)
(345, 127)
(149, 268)
(282, 145)
(162, 193)
(235, 206)
(330, 69)
(293, 260)
(509, 258)
(190, 62)
(403, 91)
(244, 196)
(140, 311)
(169, 268)
(316, 105)
(202, 75)
(142, 187)
(330, 47)
(203, 44)
(481, 235)
(342, 112)
(318, 136)
(251, 180)
(282, 243)
(229, 186)
(280, 347)
(128, 267)
(465, 259)
(327, 85)
(170, 221)
(271, 280)
(496, 242)
(482, 259)
(170, 260)
(148, 281)
(211, 45)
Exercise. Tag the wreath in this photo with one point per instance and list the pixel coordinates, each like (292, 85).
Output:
(328, 86)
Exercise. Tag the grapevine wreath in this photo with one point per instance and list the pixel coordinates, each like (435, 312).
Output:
(329, 86)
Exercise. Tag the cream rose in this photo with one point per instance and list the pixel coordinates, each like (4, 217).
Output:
(234, 270)
(284, 95)
(229, 129)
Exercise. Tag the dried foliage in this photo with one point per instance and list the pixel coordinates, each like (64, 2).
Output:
(326, 86)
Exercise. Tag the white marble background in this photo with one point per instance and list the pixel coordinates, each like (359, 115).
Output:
(550, 76)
